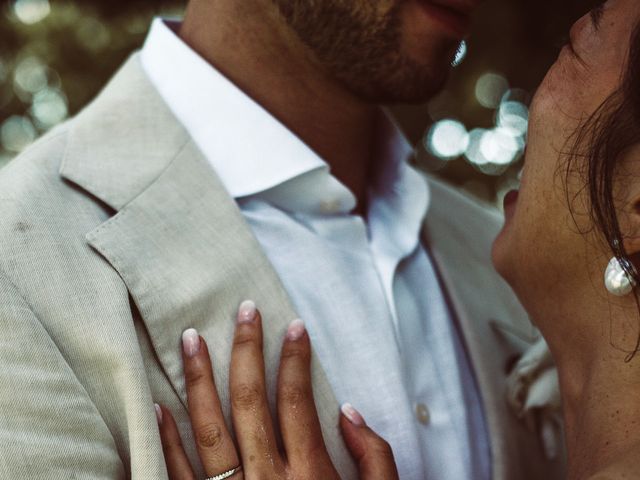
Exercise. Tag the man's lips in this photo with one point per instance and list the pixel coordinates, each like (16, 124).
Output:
(452, 14)
(463, 7)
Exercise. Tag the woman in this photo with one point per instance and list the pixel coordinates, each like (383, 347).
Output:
(579, 206)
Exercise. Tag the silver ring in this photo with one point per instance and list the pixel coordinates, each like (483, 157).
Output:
(227, 474)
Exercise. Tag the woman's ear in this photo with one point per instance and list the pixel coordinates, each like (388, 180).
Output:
(630, 226)
(627, 201)
(630, 229)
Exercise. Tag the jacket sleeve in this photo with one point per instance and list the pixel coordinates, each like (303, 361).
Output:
(49, 426)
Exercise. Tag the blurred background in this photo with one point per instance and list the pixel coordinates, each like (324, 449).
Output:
(55, 55)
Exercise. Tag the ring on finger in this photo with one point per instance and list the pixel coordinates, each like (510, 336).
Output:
(227, 474)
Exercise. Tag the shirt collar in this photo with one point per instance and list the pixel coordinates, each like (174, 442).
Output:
(399, 197)
(258, 152)
(261, 156)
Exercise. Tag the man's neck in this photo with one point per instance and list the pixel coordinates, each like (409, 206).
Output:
(249, 42)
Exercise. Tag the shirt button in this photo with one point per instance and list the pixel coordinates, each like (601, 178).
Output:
(330, 207)
(422, 413)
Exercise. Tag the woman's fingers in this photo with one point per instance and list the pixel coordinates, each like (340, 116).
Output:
(177, 462)
(372, 454)
(249, 405)
(306, 453)
(299, 422)
(214, 443)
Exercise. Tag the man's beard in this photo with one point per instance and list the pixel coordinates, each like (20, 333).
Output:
(362, 48)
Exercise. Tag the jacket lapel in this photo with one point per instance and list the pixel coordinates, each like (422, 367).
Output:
(178, 240)
(494, 327)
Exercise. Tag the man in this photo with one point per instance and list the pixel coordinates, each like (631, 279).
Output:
(242, 155)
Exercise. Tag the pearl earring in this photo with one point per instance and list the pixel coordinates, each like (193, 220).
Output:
(616, 279)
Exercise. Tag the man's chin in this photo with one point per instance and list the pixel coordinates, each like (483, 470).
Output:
(424, 78)
(414, 86)
(423, 93)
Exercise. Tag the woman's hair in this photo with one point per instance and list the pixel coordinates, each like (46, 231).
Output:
(599, 144)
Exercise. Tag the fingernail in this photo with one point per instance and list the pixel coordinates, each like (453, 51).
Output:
(191, 342)
(296, 330)
(352, 415)
(247, 312)
(158, 413)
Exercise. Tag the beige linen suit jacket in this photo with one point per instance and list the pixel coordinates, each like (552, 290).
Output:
(116, 235)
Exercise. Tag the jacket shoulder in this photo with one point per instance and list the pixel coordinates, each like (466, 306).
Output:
(470, 210)
(462, 230)
(457, 216)
(41, 214)
(36, 166)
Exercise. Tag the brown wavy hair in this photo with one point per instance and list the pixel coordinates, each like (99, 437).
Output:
(610, 132)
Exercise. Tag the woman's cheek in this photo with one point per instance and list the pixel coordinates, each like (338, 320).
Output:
(565, 94)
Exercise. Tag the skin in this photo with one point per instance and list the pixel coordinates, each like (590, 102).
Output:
(304, 455)
(323, 68)
(555, 261)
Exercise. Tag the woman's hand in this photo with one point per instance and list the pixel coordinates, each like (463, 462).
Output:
(305, 455)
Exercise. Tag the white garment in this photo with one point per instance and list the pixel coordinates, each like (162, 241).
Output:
(367, 290)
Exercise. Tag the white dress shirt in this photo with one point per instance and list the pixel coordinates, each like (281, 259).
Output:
(366, 288)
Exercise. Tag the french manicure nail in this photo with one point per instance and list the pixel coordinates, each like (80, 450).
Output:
(352, 415)
(191, 342)
(158, 413)
(296, 330)
(247, 312)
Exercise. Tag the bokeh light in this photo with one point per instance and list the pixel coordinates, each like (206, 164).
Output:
(30, 76)
(92, 34)
(491, 151)
(49, 108)
(31, 11)
(16, 133)
(514, 117)
(448, 139)
(474, 153)
(500, 147)
(490, 88)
